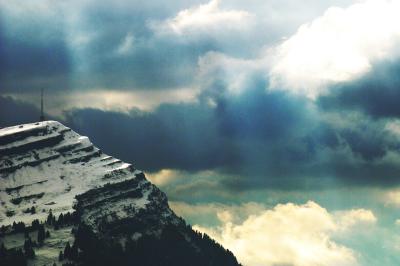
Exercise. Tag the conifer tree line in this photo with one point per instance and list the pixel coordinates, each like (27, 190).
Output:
(172, 247)
(176, 245)
(66, 219)
(20, 256)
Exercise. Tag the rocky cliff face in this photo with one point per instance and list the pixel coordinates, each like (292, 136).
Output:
(122, 218)
(110, 211)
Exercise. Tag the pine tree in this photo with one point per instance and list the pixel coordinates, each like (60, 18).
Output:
(67, 251)
(49, 218)
(60, 221)
(41, 234)
(27, 244)
(35, 224)
(74, 252)
(60, 256)
(29, 252)
(3, 229)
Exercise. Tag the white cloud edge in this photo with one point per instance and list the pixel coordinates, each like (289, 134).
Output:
(288, 233)
(207, 19)
(338, 46)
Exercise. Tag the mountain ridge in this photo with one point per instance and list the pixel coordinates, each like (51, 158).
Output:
(47, 169)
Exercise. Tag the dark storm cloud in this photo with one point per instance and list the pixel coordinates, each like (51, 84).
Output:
(148, 66)
(149, 62)
(79, 45)
(14, 112)
(376, 93)
(259, 115)
(76, 45)
(32, 56)
(174, 136)
(365, 142)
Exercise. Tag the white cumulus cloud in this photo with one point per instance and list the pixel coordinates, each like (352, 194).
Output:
(392, 198)
(339, 46)
(347, 219)
(204, 18)
(288, 234)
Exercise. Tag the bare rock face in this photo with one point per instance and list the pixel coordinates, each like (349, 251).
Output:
(123, 219)
(131, 206)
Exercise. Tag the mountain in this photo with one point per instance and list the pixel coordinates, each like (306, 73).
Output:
(57, 187)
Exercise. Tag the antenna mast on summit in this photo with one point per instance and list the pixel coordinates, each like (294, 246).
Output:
(41, 106)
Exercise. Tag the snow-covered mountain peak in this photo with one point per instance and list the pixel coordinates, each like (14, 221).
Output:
(119, 217)
(44, 165)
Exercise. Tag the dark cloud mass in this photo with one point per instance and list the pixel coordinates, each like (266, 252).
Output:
(33, 53)
(79, 45)
(15, 112)
(181, 136)
(376, 93)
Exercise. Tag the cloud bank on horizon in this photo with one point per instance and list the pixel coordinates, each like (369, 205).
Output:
(225, 102)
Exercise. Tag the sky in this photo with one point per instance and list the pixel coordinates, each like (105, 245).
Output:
(272, 125)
